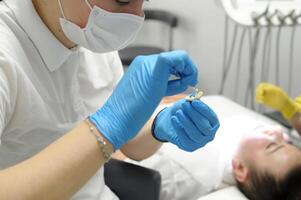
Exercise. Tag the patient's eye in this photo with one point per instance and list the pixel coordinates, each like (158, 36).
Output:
(273, 147)
(270, 146)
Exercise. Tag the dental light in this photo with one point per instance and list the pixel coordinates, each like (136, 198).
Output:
(264, 12)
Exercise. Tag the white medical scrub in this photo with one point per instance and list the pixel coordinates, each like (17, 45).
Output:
(46, 89)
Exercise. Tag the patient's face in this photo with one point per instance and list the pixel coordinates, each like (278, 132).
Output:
(268, 149)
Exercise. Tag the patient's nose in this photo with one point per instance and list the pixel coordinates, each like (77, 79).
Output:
(279, 136)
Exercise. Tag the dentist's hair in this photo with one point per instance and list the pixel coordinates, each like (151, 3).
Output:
(265, 186)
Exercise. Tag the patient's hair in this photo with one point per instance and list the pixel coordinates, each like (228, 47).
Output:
(265, 186)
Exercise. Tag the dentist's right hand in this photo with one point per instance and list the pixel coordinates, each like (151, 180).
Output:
(139, 92)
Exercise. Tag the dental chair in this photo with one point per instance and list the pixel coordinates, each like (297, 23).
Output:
(128, 54)
(132, 182)
(277, 116)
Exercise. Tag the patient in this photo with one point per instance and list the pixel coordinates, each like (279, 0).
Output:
(260, 161)
(256, 157)
(267, 167)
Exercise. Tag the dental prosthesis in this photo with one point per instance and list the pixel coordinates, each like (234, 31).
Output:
(196, 95)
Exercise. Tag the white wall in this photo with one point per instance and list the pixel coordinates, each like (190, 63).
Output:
(201, 34)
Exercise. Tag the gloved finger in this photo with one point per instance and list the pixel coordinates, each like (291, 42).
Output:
(179, 64)
(172, 61)
(298, 100)
(177, 106)
(181, 139)
(182, 66)
(202, 124)
(190, 73)
(185, 143)
(203, 117)
(208, 139)
(206, 111)
(190, 128)
(176, 65)
(175, 87)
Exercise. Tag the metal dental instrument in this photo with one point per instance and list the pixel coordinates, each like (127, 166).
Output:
(267, 47)
(281, 19)
(238, 64)
(294, 18)
(265, 26)
(257, 17)
(254, 12)
(228, 58)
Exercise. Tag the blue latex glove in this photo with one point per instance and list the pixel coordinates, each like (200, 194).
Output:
(139, 93)
(189, 125)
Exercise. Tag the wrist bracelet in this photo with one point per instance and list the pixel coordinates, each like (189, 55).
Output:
(153, 128)
(105, 150)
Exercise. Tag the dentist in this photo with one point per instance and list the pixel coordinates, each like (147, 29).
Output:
(65, 105)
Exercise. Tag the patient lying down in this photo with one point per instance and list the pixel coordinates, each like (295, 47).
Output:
(255, 156)
(266, 166)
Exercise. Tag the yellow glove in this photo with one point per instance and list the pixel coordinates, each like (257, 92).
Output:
(274, 97)
(298, 103)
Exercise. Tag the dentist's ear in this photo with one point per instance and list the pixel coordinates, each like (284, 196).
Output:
(240, 170)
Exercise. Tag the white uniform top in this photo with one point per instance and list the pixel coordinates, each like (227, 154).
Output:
(45, 88)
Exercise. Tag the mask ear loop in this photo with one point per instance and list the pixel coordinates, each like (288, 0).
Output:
(61, 8)
(62, 11)
(89, 4)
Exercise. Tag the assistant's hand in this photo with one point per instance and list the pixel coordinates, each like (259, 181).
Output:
(274, 97)
(298, 103)
(139, 93)
(189, 125)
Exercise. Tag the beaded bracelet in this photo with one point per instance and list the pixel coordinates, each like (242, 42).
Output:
(106, 152)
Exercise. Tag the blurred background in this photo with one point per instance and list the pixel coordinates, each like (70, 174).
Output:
(201, 32)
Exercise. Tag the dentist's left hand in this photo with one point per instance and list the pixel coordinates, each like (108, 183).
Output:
(189, 125)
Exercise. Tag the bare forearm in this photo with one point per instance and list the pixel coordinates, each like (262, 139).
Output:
(296, 122)
(57, 172)
(143, 145)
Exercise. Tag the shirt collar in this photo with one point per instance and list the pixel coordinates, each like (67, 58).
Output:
(52, 51)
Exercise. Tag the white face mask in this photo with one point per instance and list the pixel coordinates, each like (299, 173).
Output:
(105, 31)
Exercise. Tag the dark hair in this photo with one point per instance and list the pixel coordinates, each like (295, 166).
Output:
(292, 185)
(265, 186)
